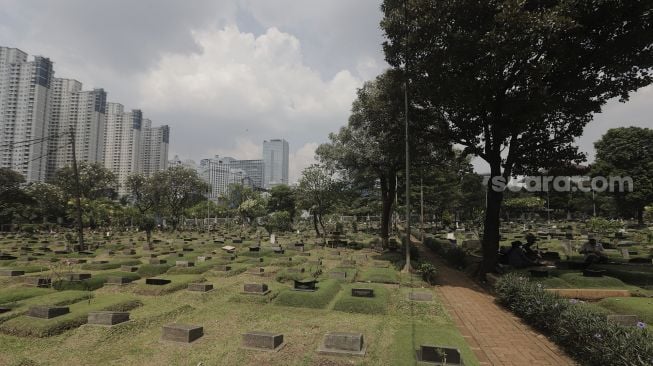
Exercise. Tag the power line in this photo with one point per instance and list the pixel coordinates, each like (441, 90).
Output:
(27, 143)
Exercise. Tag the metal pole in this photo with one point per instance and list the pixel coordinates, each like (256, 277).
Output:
(407, 266)
(78, 200)
(421, 206)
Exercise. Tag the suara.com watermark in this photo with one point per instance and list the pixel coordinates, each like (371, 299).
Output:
(576, 183)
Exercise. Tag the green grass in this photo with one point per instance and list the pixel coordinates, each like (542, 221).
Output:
(351, 273)
(363, 305)
(640, 306)
(151, 270)
(27, 326)
(21, 293)
(53, 299)
(179, 282)
(379, 275)
(326, 291)
(94, 282)
(27, 268)
(110, 265)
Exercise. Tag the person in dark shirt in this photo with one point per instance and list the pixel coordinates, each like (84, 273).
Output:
(517, 257)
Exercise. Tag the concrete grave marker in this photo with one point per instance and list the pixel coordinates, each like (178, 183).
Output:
(157, 281)
(439, 355)
(362, 292)
(256, 289)
(263, 341)
(341, 343)
(420, 296)
(47, 312)
(626, 320)
(183, 333)
(200, 287)
(107, 318)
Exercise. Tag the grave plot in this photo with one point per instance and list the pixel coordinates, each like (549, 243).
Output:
(177, 282)
(326, 291)
(343, 274)
(379, 275)
(356, 298)
(343, 343)
(25, 325)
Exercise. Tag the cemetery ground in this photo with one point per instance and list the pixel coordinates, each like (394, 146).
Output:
(393, 326)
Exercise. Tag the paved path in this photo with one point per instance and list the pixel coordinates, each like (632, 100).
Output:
(495, 335)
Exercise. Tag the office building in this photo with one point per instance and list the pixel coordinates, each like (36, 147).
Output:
(122, 143)
(252, 169)
(154, 147)
(219, 175)
(275, 162)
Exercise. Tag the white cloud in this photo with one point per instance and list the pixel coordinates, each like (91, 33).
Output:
(242, 89)
(301, 159)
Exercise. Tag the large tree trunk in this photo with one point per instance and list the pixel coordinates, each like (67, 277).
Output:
(491, 235)
(640, 216)
(317, 230)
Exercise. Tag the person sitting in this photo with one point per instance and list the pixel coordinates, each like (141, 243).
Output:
(532, 254)
(517, 257)
(593, 252)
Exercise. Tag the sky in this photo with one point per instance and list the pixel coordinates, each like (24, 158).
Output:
(226, 75)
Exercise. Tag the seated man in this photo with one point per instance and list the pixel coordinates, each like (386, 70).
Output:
(593, 252)
(532, 254)
(517, 256)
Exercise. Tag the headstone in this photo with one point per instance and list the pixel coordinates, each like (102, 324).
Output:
(47, 312)
(439, 355)
(348, 263)
(339, 275)
(278, 250)
(100, 262)
(200, 287)
(273, 239)
(305, 285)
(223, 268)
(157, 281)
(107, 318)
(187, 249)
(183, 333)
(420, 296)
(4, 309)
(184, 264)
(76, 276)
(263, 341)
(343, 343)
(156, 261)
(254, 248)
(203, 258)
(593, 272)
(11, 272)
(539, 272)
(256, 289)
(625, 253)
(626, 320)
(362, 292)
(129, 268)
(129, 252)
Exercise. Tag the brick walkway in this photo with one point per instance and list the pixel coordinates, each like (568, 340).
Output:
(495, 335)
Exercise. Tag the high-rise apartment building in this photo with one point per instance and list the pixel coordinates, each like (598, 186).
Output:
(275, 161)
(24, 112)
(83, 112)
(154, 147)
(253, 170)
(122, 142)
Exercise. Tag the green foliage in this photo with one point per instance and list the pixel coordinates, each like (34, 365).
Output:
(278, 221)
(282, 198)
(626, 152)
(363, 305)
(95, 181)
(583, 331)
(252, 208)
(319, 299)
(428, 271)
(177, 189)
(603, 226)
(640, 306)
(21, 293)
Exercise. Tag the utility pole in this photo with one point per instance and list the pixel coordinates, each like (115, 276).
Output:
(78, 200)
(407, 266)
(421, 206)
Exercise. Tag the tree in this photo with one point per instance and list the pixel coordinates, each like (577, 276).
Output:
(282, 198)
(178, 189)
(145, 197)
(237, 194)
(11, 196)
(372, 145)
(48, 200)
(514, 81)
(628, 152)
(317, 193)
(252, 208)
(95, 181)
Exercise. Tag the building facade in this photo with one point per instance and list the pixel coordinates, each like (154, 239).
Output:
(24, 113)
(122, 143)
(275, 162)
(252, 169)
(154, 148)
(219, 175)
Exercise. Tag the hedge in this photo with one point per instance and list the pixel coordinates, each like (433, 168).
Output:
(582, 331)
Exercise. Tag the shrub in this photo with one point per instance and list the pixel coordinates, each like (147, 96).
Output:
(582, 330)
(427, 271)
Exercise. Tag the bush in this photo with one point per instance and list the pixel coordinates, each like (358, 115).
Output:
(427, 271)
(582, 330)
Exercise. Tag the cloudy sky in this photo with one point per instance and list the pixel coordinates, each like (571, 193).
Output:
(226, 75)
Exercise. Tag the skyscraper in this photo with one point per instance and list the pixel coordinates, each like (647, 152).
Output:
(275, 161)
(84, 112)
(122, 143)
(219, 175)
(24, 112)
(154, 147)
(252, 169)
